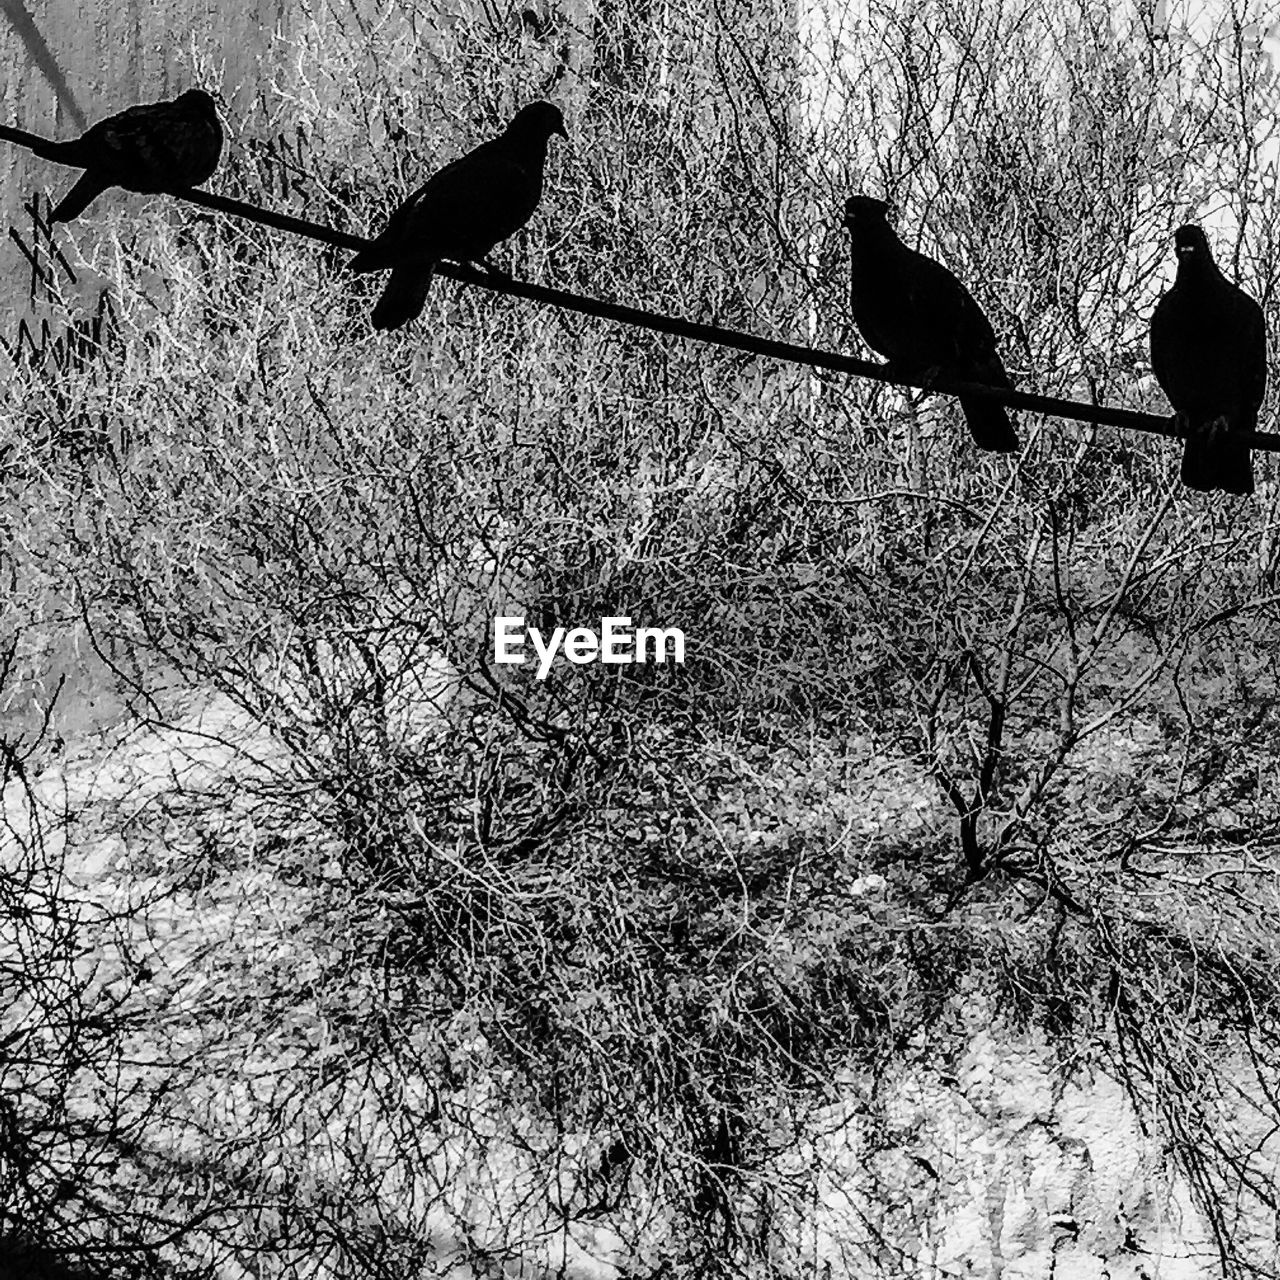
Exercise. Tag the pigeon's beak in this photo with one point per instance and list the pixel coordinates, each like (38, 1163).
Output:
(560, 129)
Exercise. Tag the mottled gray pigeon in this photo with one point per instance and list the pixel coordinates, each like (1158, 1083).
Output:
(155, 147)
(916, 314)
(1209, 353)
(461, 212)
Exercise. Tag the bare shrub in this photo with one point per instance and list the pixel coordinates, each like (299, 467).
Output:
(599, 949)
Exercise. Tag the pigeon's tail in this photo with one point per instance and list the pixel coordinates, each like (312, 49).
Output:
(403, 298)
(1219, 460)
(87, 189)
(990, 425)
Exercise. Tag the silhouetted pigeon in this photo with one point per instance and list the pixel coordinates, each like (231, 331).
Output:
(156, 147)
(1209, 353)
(916, 314)
(461, 212)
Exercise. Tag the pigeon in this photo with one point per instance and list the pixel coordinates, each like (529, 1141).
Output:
(1209, 353)
(916, 314)
(461, 213)
(155, 147)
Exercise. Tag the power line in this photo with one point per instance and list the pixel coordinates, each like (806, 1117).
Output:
(24, 25)
(676, 326)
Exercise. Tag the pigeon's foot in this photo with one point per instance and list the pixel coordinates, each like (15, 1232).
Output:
(1217, 430)
(1181, 426)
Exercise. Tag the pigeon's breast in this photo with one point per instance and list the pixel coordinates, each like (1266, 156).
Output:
(879, 306)
(1200, 352)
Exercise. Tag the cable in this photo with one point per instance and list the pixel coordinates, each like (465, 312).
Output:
(1102, 415)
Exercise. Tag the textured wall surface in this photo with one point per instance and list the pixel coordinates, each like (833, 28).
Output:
(109, 56)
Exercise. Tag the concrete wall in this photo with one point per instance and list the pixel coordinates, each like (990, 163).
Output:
(106, 56)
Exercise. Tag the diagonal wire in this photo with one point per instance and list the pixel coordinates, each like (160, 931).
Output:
(676, 326)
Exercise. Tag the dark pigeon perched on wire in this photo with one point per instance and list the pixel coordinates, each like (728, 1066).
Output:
(1209, 353)
(916, 314)
(461, 213)
(156, 147)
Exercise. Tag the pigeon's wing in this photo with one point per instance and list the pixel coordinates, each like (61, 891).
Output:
(112, 153)
(391, 244)
(1224, 460)
(952, 331)
(477, 202)
(892, 297)
(954, 336)
(157, 146)
(976, 342)
(461, 212)
(1253, 350)
(1229, 353)
(126, 148)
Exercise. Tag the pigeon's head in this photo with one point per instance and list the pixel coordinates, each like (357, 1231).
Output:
(538, 120)
(861, 212)
(1190, 245)
(199, 100)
